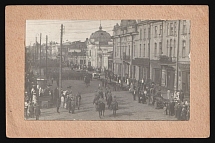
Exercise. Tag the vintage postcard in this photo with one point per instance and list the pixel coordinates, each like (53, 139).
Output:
(137, 69)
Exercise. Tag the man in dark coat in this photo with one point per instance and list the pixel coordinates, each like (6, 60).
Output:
(37, 111)
(179, 109)
(58, 104)
(181, 96)
(109, 100)
(171, 108)
(134, 94)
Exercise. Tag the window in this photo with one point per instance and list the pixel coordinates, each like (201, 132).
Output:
(156, 30)
(161, 29)
(144, 50)
(140, 33)
(149, 32)
(90, 52)
(171, 29)
(167, 29)
(167, 44)
(170, 49)
(184, 26)
(144, 34)
(148, 50)
(183, 49)
(175, 29)
(115, 50)
(134, 50)
(129, 51)
(174, 48)
(160, 48)
(118, 50)
(155, 52)
(140, 50)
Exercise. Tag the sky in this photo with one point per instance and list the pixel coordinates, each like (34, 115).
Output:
(74, 30)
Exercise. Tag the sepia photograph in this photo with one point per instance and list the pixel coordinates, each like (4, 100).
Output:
(107, 70)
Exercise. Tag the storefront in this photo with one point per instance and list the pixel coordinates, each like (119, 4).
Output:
(140, 68)
(156, 71)
(184, 74)
(167, 76)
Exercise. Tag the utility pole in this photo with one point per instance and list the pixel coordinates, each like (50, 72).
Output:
(177, 54)
(149, 49)
(46, 56)
(40, 53)
(60, 72)
(35, 51)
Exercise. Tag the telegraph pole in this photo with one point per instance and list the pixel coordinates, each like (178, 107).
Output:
(60, 72)
(46, 55)
(149, 50)
(35, 51)
(177, 56)
(40, 53)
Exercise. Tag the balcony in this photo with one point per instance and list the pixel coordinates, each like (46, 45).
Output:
(126, 57)
(167, 60)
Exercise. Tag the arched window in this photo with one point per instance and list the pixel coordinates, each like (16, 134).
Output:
(140, 33)
(174, 49)
(167, 48)
(183, 48)
(160, 48)
(140, 50)
(155, 52)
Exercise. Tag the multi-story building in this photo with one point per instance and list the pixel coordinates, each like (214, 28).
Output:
(156, 49)
(123, 45)
(98, 46)
(77, 53)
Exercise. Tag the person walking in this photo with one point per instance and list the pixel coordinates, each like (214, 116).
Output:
(31, 110)
(109, 100)
(37, 111)
(168, 94)
(134, 94)
(62, 100)
(58, 104)
(181, 96)
(26, 109)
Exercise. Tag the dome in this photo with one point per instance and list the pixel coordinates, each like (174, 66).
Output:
(100, 36)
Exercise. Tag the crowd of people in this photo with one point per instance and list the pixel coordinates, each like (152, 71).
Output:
(146, 91)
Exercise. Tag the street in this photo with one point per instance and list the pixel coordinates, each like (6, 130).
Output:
(128, 109)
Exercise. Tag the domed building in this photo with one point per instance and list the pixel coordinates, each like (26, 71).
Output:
(99, 47)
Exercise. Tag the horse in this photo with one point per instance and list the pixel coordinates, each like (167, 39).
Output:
(101, 108)
(114, 106)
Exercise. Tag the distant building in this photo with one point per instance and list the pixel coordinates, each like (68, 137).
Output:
(77, 53)
(98, 46)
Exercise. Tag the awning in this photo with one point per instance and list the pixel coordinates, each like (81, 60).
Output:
(140, 62)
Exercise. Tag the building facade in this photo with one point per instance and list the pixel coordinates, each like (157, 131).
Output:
(98, 47)
(155, 50)
(123, 46)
